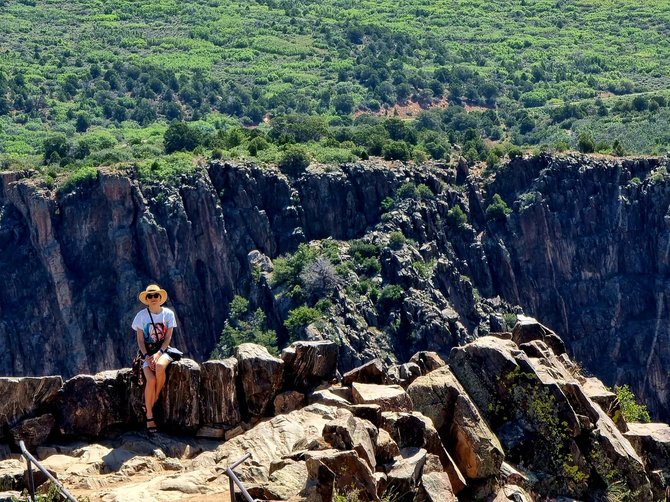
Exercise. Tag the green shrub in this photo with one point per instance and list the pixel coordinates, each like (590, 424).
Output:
(391, 295)
(424, 192)
(387, 204)
(631, 410)
(586, 143)
(298, 319)
(79, 177)
(514, 152)
(257, 144)
(179, 136)
(396, 240)
(618, 148)
(294, 161)
(424, 269)
(287, 268)
(498, 209)
(243, 326)
(407, 191)
(562, 146)
(510, 320)
(396, 150)
(456, 217)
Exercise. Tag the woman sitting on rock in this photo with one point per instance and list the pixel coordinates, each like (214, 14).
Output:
(154, 326)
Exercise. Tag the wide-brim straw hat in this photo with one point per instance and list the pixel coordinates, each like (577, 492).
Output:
(153, 288)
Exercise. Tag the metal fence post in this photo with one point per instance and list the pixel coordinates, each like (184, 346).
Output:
(31, 482)
(234, 480)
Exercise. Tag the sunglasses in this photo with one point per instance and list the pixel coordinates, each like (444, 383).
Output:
(153, 295)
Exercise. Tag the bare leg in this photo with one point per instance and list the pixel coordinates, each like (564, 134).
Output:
(161, 367)
(149, 393)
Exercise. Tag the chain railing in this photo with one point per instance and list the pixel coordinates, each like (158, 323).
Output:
(30, 460)
(234, 480)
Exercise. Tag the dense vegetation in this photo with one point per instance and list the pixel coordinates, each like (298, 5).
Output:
(95, 83)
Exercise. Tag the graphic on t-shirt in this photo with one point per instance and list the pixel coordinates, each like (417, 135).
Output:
(157, 335)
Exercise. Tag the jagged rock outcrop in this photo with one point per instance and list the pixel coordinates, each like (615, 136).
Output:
(24, 396)
(499, 421)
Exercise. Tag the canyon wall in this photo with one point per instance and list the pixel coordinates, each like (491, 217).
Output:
(585, 250)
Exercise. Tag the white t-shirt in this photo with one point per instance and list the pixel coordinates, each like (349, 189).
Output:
(164, 320)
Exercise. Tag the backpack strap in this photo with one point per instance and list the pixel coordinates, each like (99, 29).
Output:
(160, 342)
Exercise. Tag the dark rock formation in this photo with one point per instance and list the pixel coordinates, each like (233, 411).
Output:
(22, 397)
(260, 378)
(218, 404)
(307, 364)
(585, 250)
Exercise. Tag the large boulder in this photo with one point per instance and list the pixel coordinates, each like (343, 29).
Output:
(274, 439)
(427, 361)
(404, 474)
(652, 444)
(288, 401)
(386, 448)
(33, 431)
(528, 329)
(179, 402)
(436, 487)
(388, 397)
(307, 364)
(403, 374)
(415, 430)
(260, 375)
(90, 405)
(352, 474)
(606, 399)
(219, 404)
(352, 433)
(371, 372)
(22, 397)
(439, 396)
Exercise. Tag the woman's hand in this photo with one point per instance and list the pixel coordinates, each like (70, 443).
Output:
(151, 361)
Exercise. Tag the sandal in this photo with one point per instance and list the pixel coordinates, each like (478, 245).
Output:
(151, 429)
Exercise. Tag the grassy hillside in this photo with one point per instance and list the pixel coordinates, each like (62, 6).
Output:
(98, 82)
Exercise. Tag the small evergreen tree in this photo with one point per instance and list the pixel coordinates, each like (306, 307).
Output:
(456, 217)
(244, 326)
(586, 143)
(180, 137)
(294, 161)
(498, 209)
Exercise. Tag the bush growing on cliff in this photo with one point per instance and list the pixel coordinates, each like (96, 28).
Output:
(79, 177)
(631, 410)
(319, 278)
(498, 209)
(397, 240)
(244, 326)
(179, 136)
(586, 143)
(287, 268)
(294, 161)
(391, 295)
(298, 319)
(456, 217)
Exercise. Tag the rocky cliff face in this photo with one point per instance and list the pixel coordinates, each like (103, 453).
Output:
(585, 249)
